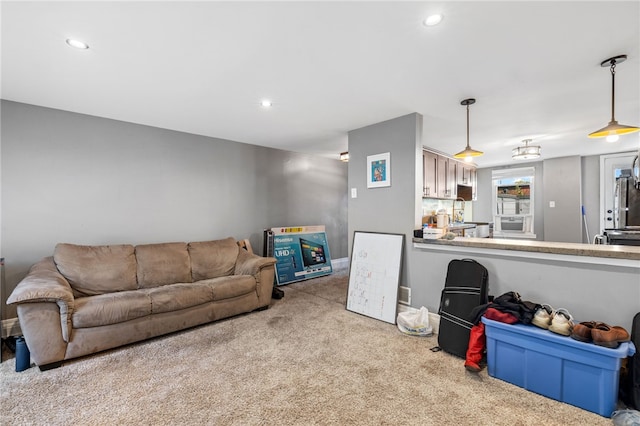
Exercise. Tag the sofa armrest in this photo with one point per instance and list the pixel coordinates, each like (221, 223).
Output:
(44, 283)
(262, 269)
(251, 264)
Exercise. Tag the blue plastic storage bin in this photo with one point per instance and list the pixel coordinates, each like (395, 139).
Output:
(581, 374)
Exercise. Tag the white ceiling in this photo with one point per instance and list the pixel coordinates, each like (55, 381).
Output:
(331, 67)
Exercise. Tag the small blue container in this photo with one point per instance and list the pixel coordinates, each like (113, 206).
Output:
(581, 374)
(23, 356)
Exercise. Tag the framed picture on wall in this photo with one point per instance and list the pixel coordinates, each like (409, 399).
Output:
(379, 170)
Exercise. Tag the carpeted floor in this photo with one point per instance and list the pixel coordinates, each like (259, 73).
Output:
(304, 361)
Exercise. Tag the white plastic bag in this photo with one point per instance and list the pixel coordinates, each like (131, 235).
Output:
(415, 322)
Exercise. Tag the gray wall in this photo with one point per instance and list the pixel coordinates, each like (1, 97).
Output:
(75, 178)
(393, 209)
(562, 186)
(607, 292)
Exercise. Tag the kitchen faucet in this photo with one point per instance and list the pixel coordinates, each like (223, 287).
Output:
(453, 209)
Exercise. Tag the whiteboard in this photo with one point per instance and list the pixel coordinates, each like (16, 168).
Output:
(374, 275)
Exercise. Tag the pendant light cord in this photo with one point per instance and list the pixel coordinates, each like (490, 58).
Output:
(613, 89)
(468, 147)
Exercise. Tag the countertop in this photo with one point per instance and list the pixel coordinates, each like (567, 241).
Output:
(574, 249)
(461, 225)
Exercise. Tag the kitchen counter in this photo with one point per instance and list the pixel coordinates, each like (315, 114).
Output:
(601, 253)
(461, 225)
(470, 229)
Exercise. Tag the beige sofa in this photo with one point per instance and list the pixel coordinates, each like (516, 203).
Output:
(86, 299)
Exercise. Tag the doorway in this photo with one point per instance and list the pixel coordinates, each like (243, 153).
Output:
(611, 165)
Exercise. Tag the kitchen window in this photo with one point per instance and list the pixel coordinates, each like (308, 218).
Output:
(513, 201)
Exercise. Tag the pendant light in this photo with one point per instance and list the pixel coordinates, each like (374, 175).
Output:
(613, 130)
(468, 153)
(526, 152)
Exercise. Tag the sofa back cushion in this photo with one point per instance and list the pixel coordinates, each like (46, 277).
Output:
(160, 264)
(93, 270)
(213, 259)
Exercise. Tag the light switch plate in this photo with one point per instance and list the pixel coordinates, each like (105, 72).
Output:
(552, 204)
(354, 192)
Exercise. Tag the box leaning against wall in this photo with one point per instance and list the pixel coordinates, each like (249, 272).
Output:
(559, 367)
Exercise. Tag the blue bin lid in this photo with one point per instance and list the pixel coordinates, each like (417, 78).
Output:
(622, 351)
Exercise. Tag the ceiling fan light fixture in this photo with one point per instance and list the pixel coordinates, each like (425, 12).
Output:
(613, 130)
(468, 153)
(526, 152)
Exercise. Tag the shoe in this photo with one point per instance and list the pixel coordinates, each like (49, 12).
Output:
(472, 366)
(562, 322)
(542, 317)
(582, 331)
(609, 336)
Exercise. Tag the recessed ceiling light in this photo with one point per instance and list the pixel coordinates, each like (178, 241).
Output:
(77, 44)
(433, 20)
(266, 103)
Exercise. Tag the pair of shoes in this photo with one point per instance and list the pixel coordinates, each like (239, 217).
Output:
(582, 331)
(609, 336)
(561, 322)
(600, 333)
(542, 317)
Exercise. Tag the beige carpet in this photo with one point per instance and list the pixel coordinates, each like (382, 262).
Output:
(305, 361)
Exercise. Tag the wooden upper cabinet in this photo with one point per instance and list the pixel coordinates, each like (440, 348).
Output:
(442, 175)
(464, 174)
(451, 190)
(430, 164)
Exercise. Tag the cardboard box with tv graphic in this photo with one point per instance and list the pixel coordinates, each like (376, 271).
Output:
(302, 252)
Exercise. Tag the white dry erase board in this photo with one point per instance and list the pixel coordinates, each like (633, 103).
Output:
(374, 275)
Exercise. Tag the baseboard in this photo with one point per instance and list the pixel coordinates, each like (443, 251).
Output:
(434, 319)
(341, 263)
(11, 327)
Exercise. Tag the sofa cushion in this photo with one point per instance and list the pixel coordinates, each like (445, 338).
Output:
(112, 308)
(212, 259)
(160, 264)
(178, 296)
(229, 287)
(93, 270)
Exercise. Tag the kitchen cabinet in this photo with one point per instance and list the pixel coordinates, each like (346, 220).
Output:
(442, 175)
(464, 174)
(451, 185)
(430, 179)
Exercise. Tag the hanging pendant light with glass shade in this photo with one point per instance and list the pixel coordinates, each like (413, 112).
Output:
(468, 153)
(526, 152)
(613, 130)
